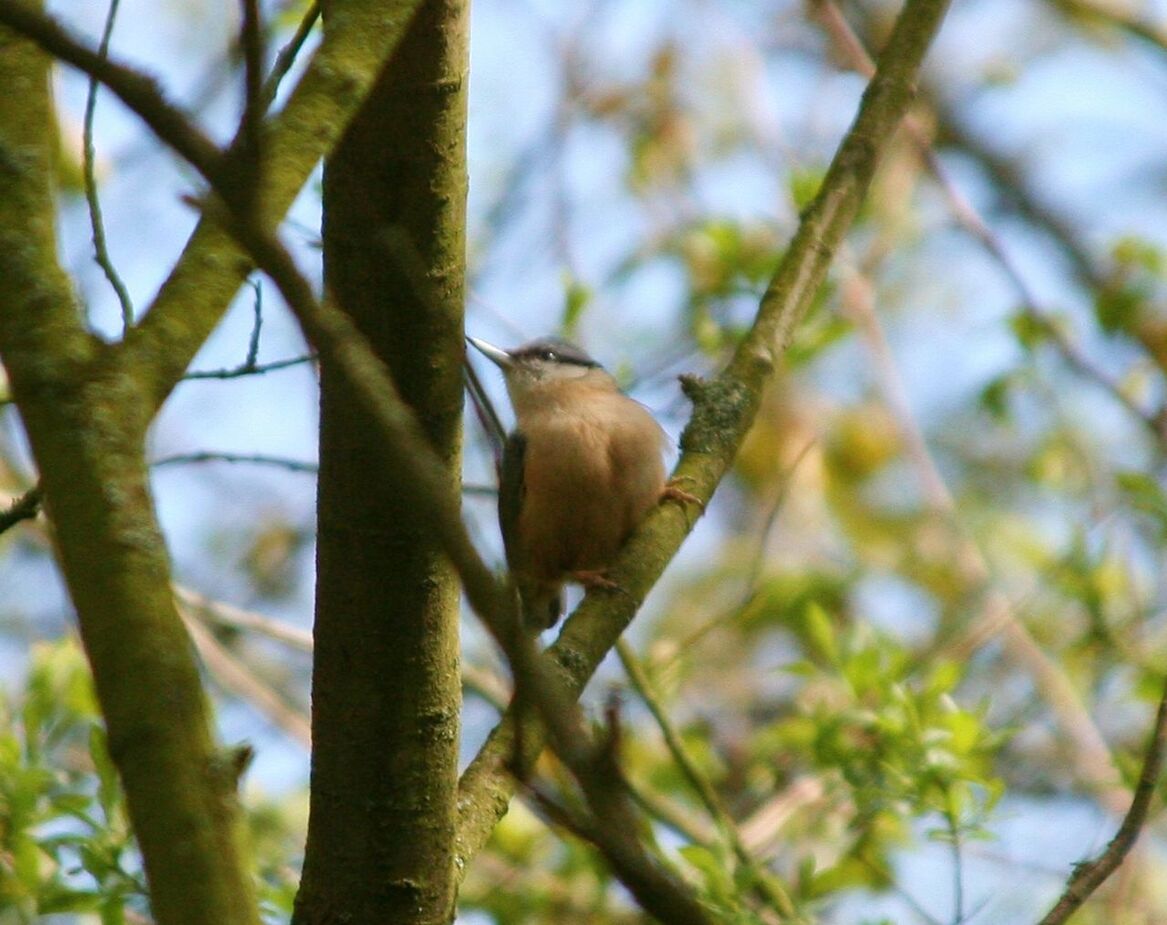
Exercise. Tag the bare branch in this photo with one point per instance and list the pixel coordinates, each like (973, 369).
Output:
(240, 680)
(88, 161)
(256, 369)
(238, 618)
(138, 91)
(292, 465)
(1089, 876)
(26, 507)
(765, 883)
(288, 54)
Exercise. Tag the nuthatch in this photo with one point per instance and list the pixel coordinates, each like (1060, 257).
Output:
(579, 472)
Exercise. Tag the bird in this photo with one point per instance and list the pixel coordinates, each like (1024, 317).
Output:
(579, 472)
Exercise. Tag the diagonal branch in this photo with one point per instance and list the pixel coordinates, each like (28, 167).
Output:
(764, 883)
(538, 686)
(1089, 876)
(138, 91)
(724, 409)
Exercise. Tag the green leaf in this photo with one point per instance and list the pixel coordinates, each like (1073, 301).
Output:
(820, 633)
(1028, 330)
(1143, 493)
(576, 297)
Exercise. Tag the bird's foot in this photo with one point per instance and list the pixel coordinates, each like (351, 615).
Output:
(673, 492)
(598, 579)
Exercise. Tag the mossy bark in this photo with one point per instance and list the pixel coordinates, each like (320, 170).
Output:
(386, 686)
(86, 422)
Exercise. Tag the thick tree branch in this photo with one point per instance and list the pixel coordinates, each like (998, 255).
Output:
(86, 423)
(724, 410)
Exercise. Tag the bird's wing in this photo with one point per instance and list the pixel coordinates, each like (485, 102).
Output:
(510, 494)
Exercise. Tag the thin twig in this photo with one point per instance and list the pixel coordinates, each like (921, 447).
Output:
(764, 881)
(255, 369)
(26, 507)
(237, 618)
(292, 465)
(673, 816)
(89, 174)
(287, 56)
(140, 93)
(240, 680)
(954, 845)
(968, 218)
(1087, 877)
(256, 326)
(249, 366)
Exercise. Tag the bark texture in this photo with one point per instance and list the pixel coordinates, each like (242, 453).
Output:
(386, 688)
(86, 421)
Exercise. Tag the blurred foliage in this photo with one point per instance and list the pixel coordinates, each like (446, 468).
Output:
(65, 844)
(65, 841)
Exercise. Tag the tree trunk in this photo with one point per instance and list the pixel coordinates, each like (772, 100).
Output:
(86, 419)
(386, 688)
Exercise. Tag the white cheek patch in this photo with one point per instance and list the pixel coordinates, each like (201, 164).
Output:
(564, 370)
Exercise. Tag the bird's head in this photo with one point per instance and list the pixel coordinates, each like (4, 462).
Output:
(543, 367)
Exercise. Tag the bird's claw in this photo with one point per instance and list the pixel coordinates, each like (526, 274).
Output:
(598, 579)
(673, 492)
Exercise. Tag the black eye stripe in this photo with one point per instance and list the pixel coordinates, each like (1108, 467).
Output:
(551, 351)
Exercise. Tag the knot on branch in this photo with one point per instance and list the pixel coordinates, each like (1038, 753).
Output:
(721, 409)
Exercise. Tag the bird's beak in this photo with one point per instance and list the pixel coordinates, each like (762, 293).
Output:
(499, 357)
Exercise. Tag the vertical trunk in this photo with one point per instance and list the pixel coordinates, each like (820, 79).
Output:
(386, 693)
(86, 421)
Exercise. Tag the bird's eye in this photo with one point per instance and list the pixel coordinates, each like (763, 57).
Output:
(549, 355)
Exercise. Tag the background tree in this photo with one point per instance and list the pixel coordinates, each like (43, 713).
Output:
(925, 603)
